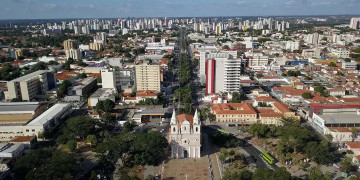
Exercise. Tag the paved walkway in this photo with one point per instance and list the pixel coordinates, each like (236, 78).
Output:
(215, 165)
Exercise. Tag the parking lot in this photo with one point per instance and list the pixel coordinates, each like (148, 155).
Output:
(155, 124)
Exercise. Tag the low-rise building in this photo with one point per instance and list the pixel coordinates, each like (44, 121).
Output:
(353, 146)
(263, 100)
(235, 112)
(101, 95)
(349, 65)
(28, 87)
(340, 53)
(11, 150)
(45, 121)
(323, 116)
(145, 94)
(84, 87)
(274, 114)
(18, 112)
(339, 134)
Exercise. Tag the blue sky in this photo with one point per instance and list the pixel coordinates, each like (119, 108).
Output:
(47, 9)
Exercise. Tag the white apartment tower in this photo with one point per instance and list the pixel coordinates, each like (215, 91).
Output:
(355, 23)
(110, 78)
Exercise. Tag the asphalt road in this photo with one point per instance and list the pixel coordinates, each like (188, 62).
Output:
(248, 147)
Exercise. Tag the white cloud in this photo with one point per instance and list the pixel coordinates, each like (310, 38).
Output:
(323, 3)
(49, 6)
(290, 3)
(240, 2)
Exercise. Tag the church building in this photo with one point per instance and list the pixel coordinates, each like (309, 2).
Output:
(185, 135)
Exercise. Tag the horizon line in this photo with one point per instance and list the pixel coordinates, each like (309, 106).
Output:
(9, 19)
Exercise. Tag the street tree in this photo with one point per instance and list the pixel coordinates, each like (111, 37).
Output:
(91, 139)
(71, 145)
(317, 174)
(307, 95)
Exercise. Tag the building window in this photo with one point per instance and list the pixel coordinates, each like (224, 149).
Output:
(173, 129)
(196, 129)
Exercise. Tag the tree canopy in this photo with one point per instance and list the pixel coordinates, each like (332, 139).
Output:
(268, 174)
(63, 88)
(307, 95)
(143, 148)
(45, 164)
(77, 128)
(105, 106)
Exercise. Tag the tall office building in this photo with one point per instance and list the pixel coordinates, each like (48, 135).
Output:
(313, 38)
(71, 48)
(18, 53)
(110, 78)
(73, 53)
(232, 74)
(355, 23)
(218, 30)
(211, 54)
(148, 77)
(270, 23)
(29, 86)
(223, 75)
(100, 38)
(196, 27)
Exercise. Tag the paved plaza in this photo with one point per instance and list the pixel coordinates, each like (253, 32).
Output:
(191, 169)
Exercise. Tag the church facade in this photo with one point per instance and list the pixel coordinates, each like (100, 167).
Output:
(185, 135)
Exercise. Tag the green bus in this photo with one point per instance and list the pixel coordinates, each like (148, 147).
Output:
(267, 157)
(223, 132)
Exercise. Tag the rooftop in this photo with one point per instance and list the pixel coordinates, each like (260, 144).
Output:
(48, 114)
(8, 147)
(18, 107)
(30, 76)
(233, 108)
(341, 118)
(23, 138)
(84, 82)
(102, 93)
(146, 93)
(155, 111)
(353, 144)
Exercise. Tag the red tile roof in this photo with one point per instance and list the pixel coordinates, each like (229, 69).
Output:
(233, 108)
(353, 145)
(23, 138)
(339, 129)
(182, 117)
(265, 99)
(146, 93)
(281, 107)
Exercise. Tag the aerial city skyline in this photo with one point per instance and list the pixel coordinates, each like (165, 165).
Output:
(44, 9)
(180, 90)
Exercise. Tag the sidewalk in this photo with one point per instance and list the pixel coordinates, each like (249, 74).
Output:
(215, 165)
